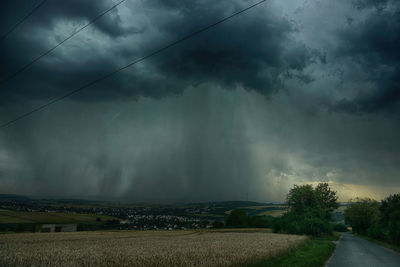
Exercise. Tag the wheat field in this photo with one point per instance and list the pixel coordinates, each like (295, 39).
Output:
(142, 248)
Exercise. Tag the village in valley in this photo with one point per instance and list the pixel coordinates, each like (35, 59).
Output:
(49, 215)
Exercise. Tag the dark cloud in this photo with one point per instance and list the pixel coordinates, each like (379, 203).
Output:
(377, 4)
(254, 50)
(372, 46)
(286, 93)
(53, 12)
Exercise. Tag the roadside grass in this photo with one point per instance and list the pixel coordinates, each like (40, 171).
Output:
(380, 242)
(334, 237)
(313, 252)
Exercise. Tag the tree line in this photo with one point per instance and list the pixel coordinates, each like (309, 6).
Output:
(378, 220)
(310, 212)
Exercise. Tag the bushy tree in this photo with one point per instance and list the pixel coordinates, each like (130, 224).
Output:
(259, 221)
(240, 218)
(361, 214)
(301, 197)
(237, 218)
(305, 197)
(309, 222)
(326, 199)
(390, 210)
(309, 210)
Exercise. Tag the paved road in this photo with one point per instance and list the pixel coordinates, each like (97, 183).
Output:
(353, 251)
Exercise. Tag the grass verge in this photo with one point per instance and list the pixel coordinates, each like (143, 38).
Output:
(314, 252)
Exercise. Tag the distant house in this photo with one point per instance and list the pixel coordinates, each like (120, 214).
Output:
(47, 228)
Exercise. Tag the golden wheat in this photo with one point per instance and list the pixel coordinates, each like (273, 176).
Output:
(146, 248)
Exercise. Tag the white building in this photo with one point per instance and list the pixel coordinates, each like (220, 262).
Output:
(46, 228)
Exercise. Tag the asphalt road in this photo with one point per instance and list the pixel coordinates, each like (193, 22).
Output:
(353, 251)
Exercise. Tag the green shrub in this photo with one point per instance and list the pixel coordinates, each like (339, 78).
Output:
(310, 210)
(339, 227)
(259, 221)
(237, 218)
(376, 231)
(307, 223)
(218, 224)
(390, 210)
(394, 231)
(362, 214)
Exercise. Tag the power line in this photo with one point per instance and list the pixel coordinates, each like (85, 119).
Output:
(127, 66)
(60, 43)
(4, 36)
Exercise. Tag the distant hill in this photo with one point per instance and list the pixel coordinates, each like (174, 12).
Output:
(229, 204)
(9, 216)
(10, 197)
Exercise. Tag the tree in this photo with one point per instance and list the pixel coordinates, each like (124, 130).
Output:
(362, 214)
(303, 198)
(237, 218)
(390, 210)
(326, 198)
(310, 223)
(300, 198)
(310, 210)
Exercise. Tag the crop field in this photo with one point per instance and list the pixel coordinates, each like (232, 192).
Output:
(264, 210)
(8, 216)
(272, 213)
(143, 248)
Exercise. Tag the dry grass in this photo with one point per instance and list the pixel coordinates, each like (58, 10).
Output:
(147, 248)
(273, 213)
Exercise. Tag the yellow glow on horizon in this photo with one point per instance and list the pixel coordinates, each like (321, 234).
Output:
(351, 191)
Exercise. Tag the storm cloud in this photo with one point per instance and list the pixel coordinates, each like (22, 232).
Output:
(284, 93)
(371, 46)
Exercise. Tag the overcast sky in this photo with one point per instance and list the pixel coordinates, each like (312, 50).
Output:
(290, 92)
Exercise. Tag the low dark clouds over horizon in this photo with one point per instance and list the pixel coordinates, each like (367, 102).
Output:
(284, 93)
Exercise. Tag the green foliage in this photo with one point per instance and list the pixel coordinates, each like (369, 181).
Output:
(380, 221)
(300, 198)
(310, 210)
(305, 197)
(218, 224)
(20, 227)
(309, 222)
(315, 252)
(259, 221)
(339, 227)
(362, 214)
(390, 210)
(377, 231)
(326, 199)
(237, 218)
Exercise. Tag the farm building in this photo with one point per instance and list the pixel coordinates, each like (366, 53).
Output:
(46, 228)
